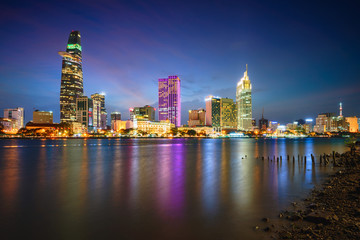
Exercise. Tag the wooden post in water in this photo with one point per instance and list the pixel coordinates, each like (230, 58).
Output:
(325, 160)
(305, 160)
(280, 158)
(288, 157)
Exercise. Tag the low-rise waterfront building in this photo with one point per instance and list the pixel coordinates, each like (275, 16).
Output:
(323, 122)
(328, 122)
(118, 125)
(43, 126)
(115, 116)
(9, 125)
(197, 117)
(42, 117)
(154, 127)
(308, 126)
(77, 128)
(340, 124)
(273, 125)
(146, 112)
(292, 126)
(17, 114)
(353, 124)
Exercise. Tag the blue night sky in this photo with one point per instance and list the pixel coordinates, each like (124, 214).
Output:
(303, 57)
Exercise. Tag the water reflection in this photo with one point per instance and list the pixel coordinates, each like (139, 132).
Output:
(209, 177)
(117, 169)
(173, 189)
(178, 181)
(9, 179)
(164, 180)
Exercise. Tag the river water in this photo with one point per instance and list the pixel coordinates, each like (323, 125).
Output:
(152, 188)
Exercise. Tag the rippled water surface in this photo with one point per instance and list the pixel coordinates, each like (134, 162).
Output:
(151, 188)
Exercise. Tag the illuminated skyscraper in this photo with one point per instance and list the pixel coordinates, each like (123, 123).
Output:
(243, 102)
(353, 124)
(71, 78)
(213, 110)
(340, 109)
(101, 119)
(169, 100)
(115, 117)
(228, 114)
(85, 111)
(220, 113)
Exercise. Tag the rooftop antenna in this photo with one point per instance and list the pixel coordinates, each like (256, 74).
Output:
(340, 108)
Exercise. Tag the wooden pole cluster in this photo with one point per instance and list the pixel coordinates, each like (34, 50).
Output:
(324, 159)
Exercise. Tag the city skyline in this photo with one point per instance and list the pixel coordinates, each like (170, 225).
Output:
(284, 64)
(155, 119)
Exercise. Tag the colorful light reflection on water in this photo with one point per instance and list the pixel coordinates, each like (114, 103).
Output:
(152, 188)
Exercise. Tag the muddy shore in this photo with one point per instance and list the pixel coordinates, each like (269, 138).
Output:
(331, 211)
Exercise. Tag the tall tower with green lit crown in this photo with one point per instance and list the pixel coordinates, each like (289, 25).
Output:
(244, 103)
(71, 78)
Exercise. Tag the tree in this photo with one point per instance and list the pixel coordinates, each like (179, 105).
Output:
(125, 131)
(181, 133)
(191, 132)
(1, 129)
(351, 143)
(174, 131)
(202, 133)
(142, 133)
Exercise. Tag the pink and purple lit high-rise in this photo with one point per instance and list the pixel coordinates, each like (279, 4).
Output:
(169, 100)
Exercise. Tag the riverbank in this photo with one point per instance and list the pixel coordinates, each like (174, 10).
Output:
(331, 211)
(126, 137)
